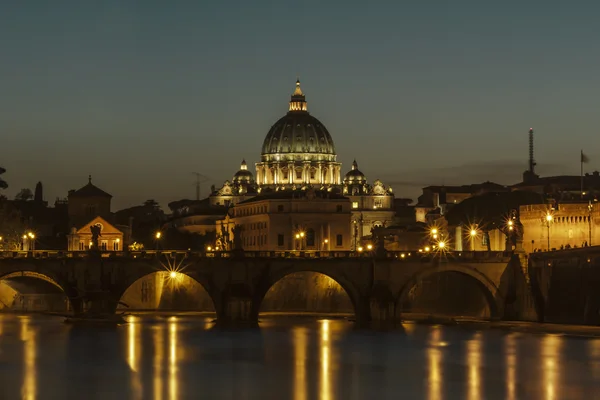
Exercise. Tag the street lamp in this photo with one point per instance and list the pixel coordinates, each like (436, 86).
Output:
(441, 245)
(548, 220)
(473, 235)
(369, 247)
(157, 236)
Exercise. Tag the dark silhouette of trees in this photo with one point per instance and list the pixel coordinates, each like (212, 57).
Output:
(491, 211)
(24, 195)
(3, 184)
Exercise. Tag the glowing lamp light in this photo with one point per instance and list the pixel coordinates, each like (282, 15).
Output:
(402, 255)
(326, 241)
(435, 236)
(360, 249)
(473, 232)
(442, 245)
(548, 217)
(369, 246)
(510, 223)
(31, 235)
(301, 234)
(427, 249)
(24, 236)
(158, 235)
(297, 236)
(173, 275)
(208, 248)
(434, 231)
(420, 250)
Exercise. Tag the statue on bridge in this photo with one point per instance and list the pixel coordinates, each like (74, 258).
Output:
(95, 229)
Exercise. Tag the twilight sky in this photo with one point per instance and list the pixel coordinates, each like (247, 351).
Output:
(140, 94)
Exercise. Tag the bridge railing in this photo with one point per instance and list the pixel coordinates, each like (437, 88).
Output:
(470, 256)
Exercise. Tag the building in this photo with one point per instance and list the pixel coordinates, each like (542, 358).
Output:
(111, 238)
(298, 154)
(436, 200)
(90, 206)
(298, 150)
(285, 220)
(566, 225)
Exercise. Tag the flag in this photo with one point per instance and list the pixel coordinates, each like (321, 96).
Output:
(584, 158)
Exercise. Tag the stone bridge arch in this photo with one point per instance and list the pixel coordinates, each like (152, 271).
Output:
(336, 273)
(488, 287)
(131, 279)
(55, 278)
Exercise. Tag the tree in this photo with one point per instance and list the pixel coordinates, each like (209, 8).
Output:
(24, 195)
(491, 211)
(3, 184)
(11, 227)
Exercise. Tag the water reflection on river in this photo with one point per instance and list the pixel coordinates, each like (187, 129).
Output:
(183, 356)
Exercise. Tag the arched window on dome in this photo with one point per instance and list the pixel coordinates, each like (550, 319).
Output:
(377, 224)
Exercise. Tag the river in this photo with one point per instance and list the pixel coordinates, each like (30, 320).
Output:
(184, 356)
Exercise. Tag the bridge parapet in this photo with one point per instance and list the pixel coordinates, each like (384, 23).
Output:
(449, 256)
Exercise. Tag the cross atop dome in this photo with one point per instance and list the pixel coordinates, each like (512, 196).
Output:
(298, 100)
(354, 165)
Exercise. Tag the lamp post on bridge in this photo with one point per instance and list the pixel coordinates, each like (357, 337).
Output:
(590, 208)
(548, 220)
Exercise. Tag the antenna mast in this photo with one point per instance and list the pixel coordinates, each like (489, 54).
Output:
(531, 160)
(199, 180)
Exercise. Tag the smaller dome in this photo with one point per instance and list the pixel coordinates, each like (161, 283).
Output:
(243, 175)
(354, 175)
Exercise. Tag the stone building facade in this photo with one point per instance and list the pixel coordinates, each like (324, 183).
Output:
(573, 224)
(289, 221)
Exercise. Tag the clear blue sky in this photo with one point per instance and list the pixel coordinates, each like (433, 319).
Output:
(140, 94)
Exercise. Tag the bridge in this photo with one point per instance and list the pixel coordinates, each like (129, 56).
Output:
(380, 287)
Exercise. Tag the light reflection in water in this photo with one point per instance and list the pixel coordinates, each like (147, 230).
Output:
(551, 365)
(28, 336)
(325, 367)
(434, 360)
(173, 358)
(594, 351)
(159, 359)
(474, 364)
(300, 341)
(133, 353)
(510, 351)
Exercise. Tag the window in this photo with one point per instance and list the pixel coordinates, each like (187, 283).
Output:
(378, 203)
(104, 245)
(280, 208)
(312, 174)
(81, 246)
(355, 204)
(310, 238)
(338, 208)
(339, 239)
(280, 239)
(299, 174)
(116, 245)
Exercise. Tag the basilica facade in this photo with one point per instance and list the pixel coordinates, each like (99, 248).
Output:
(298, 165)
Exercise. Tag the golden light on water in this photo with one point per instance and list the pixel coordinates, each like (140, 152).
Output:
(29, 337)
(159, 359)
(474, 354)
(434, 364)
(300, 348)
(133, 353)
(173, 358)
(510, 351)
(550, 356)
(325, 359)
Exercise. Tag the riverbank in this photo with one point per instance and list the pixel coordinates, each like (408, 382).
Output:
(515, 326)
